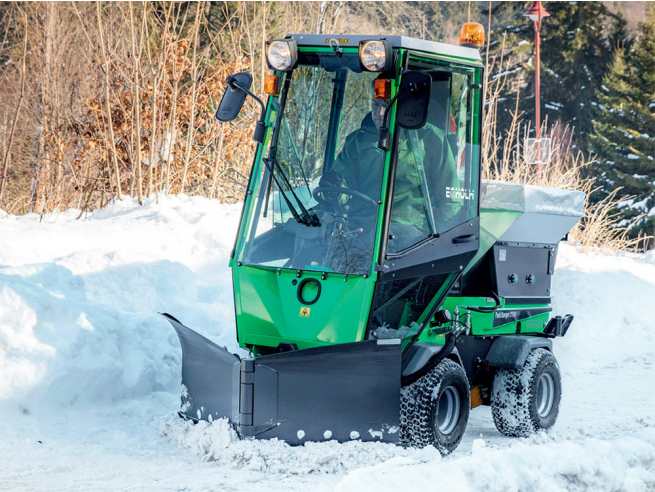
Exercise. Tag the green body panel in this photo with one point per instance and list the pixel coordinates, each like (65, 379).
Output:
(268, 310)
(482, 324)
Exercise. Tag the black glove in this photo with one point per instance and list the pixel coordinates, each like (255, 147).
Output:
(332, 178)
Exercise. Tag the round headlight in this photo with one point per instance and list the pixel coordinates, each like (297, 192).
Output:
(373, 55)
(278, 54)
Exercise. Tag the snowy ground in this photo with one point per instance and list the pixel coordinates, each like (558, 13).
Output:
(89, 373)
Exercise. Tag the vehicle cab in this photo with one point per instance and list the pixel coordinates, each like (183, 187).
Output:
(363, 192)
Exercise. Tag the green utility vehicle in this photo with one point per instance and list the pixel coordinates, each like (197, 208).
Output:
(382, 289)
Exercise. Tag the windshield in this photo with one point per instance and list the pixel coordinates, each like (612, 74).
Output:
(327, 157)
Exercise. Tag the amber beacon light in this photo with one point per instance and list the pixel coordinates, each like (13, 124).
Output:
(472, 34)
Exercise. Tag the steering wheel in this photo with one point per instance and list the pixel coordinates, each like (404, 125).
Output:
(338, 190)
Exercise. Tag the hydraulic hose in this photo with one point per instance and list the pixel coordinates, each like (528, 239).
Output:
(486, 309)
(449, 346)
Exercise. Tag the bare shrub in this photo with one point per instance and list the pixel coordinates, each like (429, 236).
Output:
(600, 230)
(120, 97)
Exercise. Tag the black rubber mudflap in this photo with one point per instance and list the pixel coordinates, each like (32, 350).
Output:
(210, 377)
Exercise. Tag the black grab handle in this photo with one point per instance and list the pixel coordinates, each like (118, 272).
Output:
(465, 239)
(301, 286)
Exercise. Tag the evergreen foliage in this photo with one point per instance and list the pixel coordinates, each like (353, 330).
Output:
(624, 129)
(576, 46)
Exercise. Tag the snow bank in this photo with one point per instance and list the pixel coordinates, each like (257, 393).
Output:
(86, 364)
(612, 300)
(217, 441)
(79, 298)
(625, 464)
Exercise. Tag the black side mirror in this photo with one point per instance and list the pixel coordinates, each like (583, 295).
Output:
(234, 97)
(413, 100)
(238, 87)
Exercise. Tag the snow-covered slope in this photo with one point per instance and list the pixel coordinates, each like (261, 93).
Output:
(89, 373)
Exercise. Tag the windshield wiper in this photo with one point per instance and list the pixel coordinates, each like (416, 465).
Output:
(271, 163)
(305, 217)
(295, 150)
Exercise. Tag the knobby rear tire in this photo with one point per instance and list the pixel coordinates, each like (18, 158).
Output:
(526, 400)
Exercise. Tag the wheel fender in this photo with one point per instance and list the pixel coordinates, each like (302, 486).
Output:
(511, 351)
(421, 353)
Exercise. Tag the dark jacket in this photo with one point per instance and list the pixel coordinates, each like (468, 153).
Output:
(360, 164)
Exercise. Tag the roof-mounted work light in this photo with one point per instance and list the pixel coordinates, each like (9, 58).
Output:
(281, 54)
(375, 56)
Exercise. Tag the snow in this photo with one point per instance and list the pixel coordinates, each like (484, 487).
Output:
(537, 463)
(90, 373)
(217, 442)
(504, 73)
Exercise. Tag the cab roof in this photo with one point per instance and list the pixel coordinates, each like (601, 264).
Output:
(352, 40)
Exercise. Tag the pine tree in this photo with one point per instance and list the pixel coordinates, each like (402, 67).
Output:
(576, 59)
(624, 130)
(576, 46)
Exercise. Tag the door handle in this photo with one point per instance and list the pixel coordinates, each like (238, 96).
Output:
(465, 239)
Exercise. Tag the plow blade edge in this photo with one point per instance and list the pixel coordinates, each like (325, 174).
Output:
(210, 377)
(343, 392)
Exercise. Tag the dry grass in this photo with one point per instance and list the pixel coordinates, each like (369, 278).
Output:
(149, 125)
(598, 231)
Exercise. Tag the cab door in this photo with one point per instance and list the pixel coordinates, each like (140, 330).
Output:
(433, 222)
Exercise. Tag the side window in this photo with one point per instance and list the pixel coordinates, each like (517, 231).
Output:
(436, 176)
(460, 137)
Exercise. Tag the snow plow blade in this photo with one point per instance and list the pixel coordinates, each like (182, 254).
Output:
(210, 376)
(343, 392)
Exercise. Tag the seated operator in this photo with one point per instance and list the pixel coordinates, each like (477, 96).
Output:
(360, 164)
